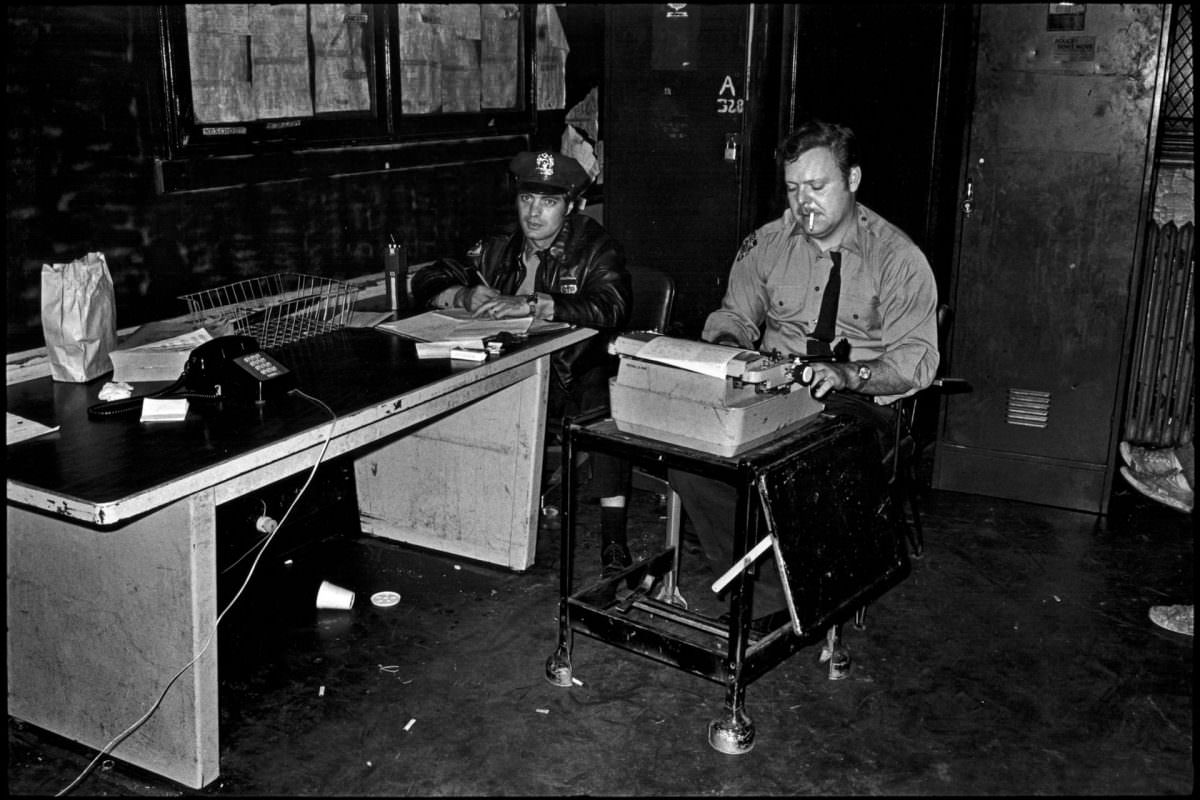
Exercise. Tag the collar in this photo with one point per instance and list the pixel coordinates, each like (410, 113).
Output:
(558, 247)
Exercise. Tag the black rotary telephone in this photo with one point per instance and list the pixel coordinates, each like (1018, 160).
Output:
(226, 368)
(233, 367)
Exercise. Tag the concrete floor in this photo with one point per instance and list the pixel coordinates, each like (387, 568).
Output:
(1017, 658)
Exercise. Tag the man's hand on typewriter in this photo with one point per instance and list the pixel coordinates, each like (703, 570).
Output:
(830, 377)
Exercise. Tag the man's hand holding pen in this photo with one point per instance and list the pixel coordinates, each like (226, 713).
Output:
(473, 298)
(483, 300)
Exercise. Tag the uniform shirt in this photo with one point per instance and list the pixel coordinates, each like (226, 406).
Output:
(887, 308)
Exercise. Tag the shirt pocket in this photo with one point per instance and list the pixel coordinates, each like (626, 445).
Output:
(859, 308)
(787, 301)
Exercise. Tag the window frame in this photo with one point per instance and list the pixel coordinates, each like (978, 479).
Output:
(296, 147)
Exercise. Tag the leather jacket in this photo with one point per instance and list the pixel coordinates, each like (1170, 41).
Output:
(584, 270)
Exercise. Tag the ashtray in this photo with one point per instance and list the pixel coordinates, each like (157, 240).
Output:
(385, 599)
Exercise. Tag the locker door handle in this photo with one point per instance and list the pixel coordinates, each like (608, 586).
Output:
(968, 205)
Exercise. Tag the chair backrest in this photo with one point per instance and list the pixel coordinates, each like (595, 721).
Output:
(653, 299)
(945, 321)
(907, 407)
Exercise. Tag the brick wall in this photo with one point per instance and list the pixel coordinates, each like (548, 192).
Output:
(80, 179)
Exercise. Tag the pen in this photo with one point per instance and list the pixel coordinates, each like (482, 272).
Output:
(482, 279)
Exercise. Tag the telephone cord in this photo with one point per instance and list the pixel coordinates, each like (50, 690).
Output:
(207, 642)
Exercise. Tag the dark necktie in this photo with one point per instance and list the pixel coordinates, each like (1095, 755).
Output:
(827, 321)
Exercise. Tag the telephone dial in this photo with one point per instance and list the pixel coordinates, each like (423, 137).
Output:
(226, 368)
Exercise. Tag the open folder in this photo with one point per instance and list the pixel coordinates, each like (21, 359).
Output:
(458, 326)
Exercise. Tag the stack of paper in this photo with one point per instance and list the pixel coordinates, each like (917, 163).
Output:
(458, 326)
(157, 361)
(455, 325)
(20, 429)
(453, 350)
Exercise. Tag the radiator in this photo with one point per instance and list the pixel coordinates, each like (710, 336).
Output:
(1160, 404)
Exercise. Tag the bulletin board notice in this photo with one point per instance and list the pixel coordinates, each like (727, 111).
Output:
(251, 61)
(458, 58)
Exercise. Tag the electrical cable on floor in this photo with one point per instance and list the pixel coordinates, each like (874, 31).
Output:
(254, 564)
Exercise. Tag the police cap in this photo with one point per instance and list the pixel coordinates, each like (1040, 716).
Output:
(545, 172)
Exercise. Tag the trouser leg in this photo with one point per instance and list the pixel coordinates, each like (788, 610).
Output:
(712, 505)
(613, 478)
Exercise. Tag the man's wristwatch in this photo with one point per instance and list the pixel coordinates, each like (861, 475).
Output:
(532, 299)
(864, 374)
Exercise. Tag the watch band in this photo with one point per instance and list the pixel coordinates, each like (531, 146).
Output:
(532, 299)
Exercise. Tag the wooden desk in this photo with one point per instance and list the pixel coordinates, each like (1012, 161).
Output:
(112, 525)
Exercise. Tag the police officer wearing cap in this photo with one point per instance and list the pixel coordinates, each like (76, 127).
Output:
(553, 264)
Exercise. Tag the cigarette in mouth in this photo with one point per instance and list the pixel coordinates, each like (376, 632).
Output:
(812, 215)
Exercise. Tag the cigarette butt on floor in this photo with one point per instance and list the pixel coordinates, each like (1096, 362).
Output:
(321, 692)
(542, 710)
(411, 722)
(576, 681)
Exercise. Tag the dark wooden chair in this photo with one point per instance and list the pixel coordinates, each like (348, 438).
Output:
(653, 293)
(912, 440)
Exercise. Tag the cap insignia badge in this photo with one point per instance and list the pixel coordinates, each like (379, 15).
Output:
(545, 165)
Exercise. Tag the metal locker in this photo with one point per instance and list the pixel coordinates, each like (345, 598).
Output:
(1056, 185)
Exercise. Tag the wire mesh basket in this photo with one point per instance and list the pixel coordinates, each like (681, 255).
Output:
(275, 309)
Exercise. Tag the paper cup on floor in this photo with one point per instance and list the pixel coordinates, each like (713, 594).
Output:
(332, 596)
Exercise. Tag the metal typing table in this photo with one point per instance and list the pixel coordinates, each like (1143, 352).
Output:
(825, 490)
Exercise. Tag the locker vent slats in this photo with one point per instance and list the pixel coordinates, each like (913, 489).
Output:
(1028, 407)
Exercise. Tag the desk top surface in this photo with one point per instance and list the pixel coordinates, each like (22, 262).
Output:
(813, 432)
(99, 462)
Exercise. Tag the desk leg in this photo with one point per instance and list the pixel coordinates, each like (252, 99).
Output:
(100, 620)
(558, 665)
(734, 732)
(836, 653)
(467, 482)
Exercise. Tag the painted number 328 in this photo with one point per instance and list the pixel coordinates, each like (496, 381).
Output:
(727, 105)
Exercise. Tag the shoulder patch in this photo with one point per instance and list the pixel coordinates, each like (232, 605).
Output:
(748, 244)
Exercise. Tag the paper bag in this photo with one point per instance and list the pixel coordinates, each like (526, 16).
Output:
(79, 318)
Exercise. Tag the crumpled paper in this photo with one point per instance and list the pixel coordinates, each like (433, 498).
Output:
(118, 390)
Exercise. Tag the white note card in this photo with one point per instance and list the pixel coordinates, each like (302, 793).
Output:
(170, 410)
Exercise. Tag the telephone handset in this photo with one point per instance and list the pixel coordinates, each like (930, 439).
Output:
(233, 367)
